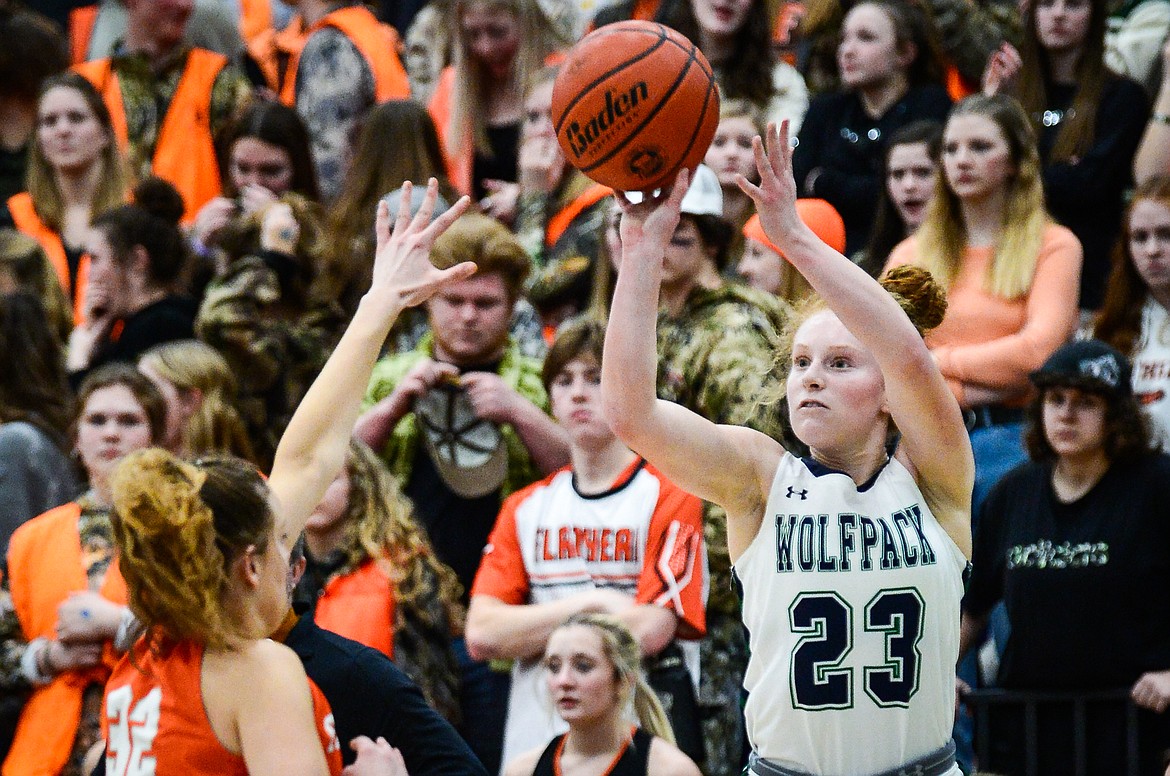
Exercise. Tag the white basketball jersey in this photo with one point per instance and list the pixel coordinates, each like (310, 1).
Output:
(1151, 370)
(851, 598)
(642, 538)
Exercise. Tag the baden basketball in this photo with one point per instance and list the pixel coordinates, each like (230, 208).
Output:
(634, 103)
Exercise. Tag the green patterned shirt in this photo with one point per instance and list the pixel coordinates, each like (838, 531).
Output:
(519, 372)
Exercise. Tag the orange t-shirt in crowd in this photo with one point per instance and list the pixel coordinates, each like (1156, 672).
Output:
(153, 715)
(994, 342)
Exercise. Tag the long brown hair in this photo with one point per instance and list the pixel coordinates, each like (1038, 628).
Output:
(398, 142)
(23, 261)
(33, 383)
(41, 179)
(1120, 323)
(747, 73)
(1079, 123)
(277, 125)
(380, 525)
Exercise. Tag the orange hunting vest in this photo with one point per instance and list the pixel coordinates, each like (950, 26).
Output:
(24, 215)
(184, 154)
(560, 222)
(44, 567)
(377, 43)
(255, 18)
(360, 606)
(81, 22)
(271, 47)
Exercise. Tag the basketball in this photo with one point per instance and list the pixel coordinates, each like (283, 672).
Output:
(634, 103)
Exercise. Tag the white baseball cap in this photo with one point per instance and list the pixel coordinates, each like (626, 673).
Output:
(703, 198)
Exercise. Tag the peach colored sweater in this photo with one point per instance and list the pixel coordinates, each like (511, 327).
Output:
(992, 342)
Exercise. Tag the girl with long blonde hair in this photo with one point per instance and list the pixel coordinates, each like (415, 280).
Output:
(593, 667)
(75, 173)
(1010, 273)
(479, 103)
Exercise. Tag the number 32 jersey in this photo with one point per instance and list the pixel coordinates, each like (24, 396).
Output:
(155, 721)
(851, 598)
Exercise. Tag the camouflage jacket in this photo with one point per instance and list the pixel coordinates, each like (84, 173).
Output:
(970, 32)
(564, 270)
(520, 372)
(274, 358)
(715, 359)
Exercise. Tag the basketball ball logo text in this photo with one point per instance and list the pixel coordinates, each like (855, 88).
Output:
(617, 106)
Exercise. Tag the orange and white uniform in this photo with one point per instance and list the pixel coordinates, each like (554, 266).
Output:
(643, 537)
(155, 721)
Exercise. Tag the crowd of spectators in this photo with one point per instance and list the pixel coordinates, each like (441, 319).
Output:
(188, 193)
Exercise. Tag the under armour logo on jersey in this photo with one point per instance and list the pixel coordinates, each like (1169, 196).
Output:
(794, 492)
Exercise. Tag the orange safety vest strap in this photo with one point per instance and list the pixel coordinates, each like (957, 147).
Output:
(267, 49)
(255, 18)
(45, 566)
(185, 151)
(560, 222)
(24, 215)
(81, 24)
(375, 41)
(360, 606)
(958, 87)
(100, 73)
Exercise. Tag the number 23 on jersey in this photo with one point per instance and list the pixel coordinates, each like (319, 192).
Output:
(817, 678)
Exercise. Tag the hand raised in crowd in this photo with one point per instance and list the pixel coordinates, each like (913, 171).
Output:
(211, 218)
(1003, 68)
(403, 271)
(279, 230)
(1152, 691)
(501, 201)
(87, 617)
(375, 758)
(491, 397)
